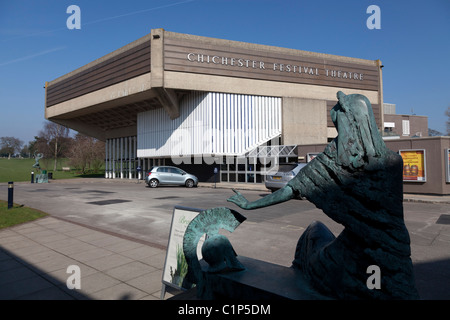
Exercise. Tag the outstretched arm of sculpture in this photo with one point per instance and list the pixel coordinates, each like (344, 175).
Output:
(282, 195)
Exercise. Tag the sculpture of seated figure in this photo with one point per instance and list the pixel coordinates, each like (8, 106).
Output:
(357, 182)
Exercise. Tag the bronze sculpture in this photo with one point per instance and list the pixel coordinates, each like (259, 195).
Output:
(357, 182)
(217, 250)
(37, 157)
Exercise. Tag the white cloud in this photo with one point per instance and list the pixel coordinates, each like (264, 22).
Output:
(31, 56)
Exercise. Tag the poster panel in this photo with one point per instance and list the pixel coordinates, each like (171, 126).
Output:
(175, 266)
(414, 165)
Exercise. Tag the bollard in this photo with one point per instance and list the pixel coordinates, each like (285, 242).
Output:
(10, 194)
(215, 176)
(32, 177)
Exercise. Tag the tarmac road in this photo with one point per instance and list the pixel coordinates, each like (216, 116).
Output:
(134, 210)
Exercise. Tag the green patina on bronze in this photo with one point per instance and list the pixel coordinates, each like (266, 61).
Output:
(217, 250)
(357, 182)
(37, 157)
(40, 177)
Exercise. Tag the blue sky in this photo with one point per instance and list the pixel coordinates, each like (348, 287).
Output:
(413, 43)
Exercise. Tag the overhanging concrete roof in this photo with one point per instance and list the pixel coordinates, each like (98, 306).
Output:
(102, 99)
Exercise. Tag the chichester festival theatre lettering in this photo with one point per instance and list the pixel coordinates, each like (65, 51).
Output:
(279, 67)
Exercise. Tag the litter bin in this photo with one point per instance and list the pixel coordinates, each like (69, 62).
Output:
(50, 175)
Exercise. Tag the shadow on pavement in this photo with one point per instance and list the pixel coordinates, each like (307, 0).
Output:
(433, 279)
(21, 280)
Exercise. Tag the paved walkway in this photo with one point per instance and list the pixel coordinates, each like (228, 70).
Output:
(34, 258)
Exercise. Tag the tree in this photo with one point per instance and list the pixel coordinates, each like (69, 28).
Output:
(32, 146)
(10, 145)
(87, 153)
(53, 140)
(434, 133)
(25, 152)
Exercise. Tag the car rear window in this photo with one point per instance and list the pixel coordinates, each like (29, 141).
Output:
(286, 167)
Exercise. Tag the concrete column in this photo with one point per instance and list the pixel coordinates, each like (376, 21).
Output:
(304, 121)
(157, 58)
(113, 158)
(106, 159)
(135, 157)
(130, 174)
(121, 158)
(126, 155)
(110, 159)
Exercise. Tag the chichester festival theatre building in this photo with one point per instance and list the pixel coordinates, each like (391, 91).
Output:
(203, 103)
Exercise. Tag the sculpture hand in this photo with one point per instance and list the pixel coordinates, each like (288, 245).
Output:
(239, 200)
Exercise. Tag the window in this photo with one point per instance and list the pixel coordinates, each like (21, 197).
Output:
(405, 127)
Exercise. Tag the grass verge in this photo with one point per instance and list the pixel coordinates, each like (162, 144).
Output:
(17, 214)
(20, 170)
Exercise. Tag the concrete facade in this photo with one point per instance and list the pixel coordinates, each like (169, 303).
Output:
(406, 126)
(104, 98)
(308, 114)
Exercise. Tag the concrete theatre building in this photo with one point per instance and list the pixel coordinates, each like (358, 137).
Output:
(203, 103)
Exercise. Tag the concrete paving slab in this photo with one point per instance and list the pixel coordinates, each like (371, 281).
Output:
(123, 246)
(130, 271)
(33, 248)
(43, 255)
(90, 254)
(52, 264)
(9, 264)
(51, 293)
(108, 262)
(141, 252)
(156, 260)
(105, 241)
(4, 256)
(95, 282)
(75, 248)
(120, 247)
(23, 287)
(149, 282)
(121, 291)
(15, 274)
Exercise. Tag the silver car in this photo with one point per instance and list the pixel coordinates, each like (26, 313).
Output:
(167, 175)
(278, 179)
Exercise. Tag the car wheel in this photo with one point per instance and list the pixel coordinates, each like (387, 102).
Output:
(153, 183)
(189, 183)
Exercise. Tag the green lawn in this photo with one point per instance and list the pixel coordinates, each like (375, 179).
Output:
(17, 214)
(20, 170)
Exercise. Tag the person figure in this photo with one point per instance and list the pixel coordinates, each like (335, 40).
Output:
(37, 157)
